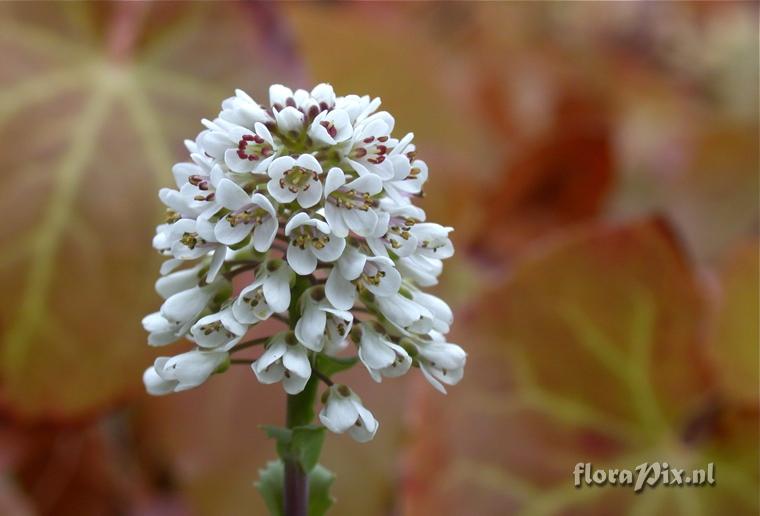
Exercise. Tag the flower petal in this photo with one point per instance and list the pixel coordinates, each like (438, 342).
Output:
(236, 163)
(300, 260)
(310, 328)
(334, 217)
(332, 250)
(334, 180)
(264, 234)
(277, 289)
(228, 234)
(311, 196)
(339, 414)
(231, 196)
(339, 291)
(296, 360)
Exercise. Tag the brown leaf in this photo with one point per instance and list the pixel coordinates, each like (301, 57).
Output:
(593, 352)
(91, 120)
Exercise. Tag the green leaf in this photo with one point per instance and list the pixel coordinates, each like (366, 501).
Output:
(270, 486)
(302, 443)
(320, 480)
(306, 445)
(283, 436)
(331, 365)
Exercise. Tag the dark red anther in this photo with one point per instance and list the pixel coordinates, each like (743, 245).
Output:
(248, 137)
(360, 152)
(253, 157)
(383, 139)
(290, 102)
(331, 130)
(369, 139)
(241, 154)
(381, 149)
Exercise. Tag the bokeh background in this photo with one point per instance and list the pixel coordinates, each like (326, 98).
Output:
(599, 162)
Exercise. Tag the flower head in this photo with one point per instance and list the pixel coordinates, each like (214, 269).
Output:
(300, 211)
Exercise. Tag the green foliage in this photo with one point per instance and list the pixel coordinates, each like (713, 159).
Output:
(320, 480)
(270, 485)
(330, 365)
(306, 445)
(302, 443)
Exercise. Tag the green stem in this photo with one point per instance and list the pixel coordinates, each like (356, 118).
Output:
(300, 412)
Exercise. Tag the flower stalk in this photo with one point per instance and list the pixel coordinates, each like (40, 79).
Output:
(300, 412)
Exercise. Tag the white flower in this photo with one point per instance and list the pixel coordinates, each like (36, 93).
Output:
(358, 108)
(320, 323)
(241, 149)
(189, 239)
(370, 145)
(269, 293)
(310, 241)
(441, 362)
(324, 95)
(331, 127)
(186, 241)
(443, 317)
(350, 206)
(293, 179)
(247, 213)
(178, 313)
(421, 270)
(379, 355)
(161, 331)
(280, 96)
(321, 98)
(201, 165)
(433, 240)
(343, 411)
(177, 281)
(196, 183)
(243, 110)
(289, 120)
(405, 313)
(182, 372)
(398, 238)
(375, 273)
(220, 331)
(407, 179)
(284, 360)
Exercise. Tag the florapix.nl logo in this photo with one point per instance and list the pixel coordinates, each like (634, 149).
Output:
(647, 474)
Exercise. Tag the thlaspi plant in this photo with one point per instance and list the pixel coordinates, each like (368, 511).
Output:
(301, 211)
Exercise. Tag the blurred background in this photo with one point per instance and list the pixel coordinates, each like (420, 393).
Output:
(599, 162)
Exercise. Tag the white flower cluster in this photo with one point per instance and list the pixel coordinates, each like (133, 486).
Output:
(311, 196)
